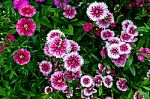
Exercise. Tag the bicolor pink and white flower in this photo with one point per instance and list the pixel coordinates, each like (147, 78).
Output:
(57, 81)
(120, 62)
(86, 81)
(124, 48)
(61, 3)
(97, 10)
(27, 11)
(106, 34)
(113, 51)
(114, 40)
(73, 61)
(100, 69)
(45, 67)
(48, 89)
(69, 12)
(132, 30)
(83, 96)
(74, 47)
(106, 21)
(108, 81)
(20, 3)
(25, 27)
(125, 37)
(126, 23)
(89, 91)
(47, 50)
(98, 79)
(54, 33)
(141, 57)
(148, 73)
(136, 95)
(59, 47)
(87, 27)
(72, 75)
(22, 57)
(121, 84)
(103, 52)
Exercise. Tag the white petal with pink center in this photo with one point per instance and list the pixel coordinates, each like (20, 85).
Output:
(45, 67)
(124, 48)
(125, 24)
(121, 84)
(106, 34)
(132, 30)
(108, 81)
(86, 81)
(113, 51)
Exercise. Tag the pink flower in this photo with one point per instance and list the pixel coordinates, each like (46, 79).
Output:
(121, 84)
(27, 11)
(20, 3)
(146, 51)
(72, 75)
(10, 38)
(87, 27)
(113, 40)
(69, 12)
(131, 30)
(48, 89)
(108, 81)
(1, 50)
(97, 32)
(22, 57)
(113, 51)
(103, 52)
(25, 27)
(98, 80)
(86, 81)
(45, 67)
(106, 34)
(100, 69)
(108, 97)
(125, 37)
(39, 0)
(89, 91)
(58, 81)
(73, 61)
(106, 21)
(69, 94)
(126, 23)
(97, 11)
(83, 96)
(74, 46)
(124, 48)
(54, 33)
(58, 47)
(120, 62)
(61, 3)
(136, 95)
(47, 50)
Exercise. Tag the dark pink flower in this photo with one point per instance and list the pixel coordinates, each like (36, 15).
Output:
(125, 37)
(87, 27)
(108, 81)
(45, 67)
(121, 84)
(27, 11)
(69, 12)
(106, 34)
(98, 80)
(86, 81)
(103, 52)
(61, 3)
(57, 81)
(72, 75)
(74, 46)
(141, 51)
(10, 38)
(22, 57)
(1, 50)
(97, 32)
(39, 0)
(25, 27)
(97, 11)
(100, 69)
(20, 3)
(73, 61)
(48, 89)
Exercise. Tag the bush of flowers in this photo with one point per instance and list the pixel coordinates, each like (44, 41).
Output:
(86, 49)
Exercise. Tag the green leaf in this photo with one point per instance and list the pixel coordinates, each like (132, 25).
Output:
(130, 94)
(95, 57)
(70, 29)
(132, 69)
(129, 62)
(100, 90)
(146, 88)
(44, 21)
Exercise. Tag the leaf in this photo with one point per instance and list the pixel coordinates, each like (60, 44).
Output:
(100, 90)
(70, 29)
(129, 62)
(132, 69)
(130, 94)
(44, 21)
(66, 31)
(146, 88)
(95, 57)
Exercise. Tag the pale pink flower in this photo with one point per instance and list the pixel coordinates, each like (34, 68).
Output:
(113, 51)
(124, 48)
(69, 12)
(22, 57)
(47, 50)
(125, 24)
(97, 11)
(86, 81)
(87, 27)
(45, 67)
(106, 34)
(74, 47)
(108, 81)
(121, 84)
(132, 30)
(57, 81)
(125, 37)
(73, 61)
(136, 95)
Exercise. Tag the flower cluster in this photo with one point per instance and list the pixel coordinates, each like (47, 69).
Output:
(119, 49)
(25, 26)
(141, 53)
(69, 11)
(66, 62)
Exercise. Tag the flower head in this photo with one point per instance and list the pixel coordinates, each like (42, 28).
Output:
(45, 67)
(124, 48)
(89, 91)
(72, 75)
(125, 37)
(74, 46)
(106, 34)
(48, 89)
(10, 38)
(20, 3)
(121, 84)
(61, 3)
(25, 27)
(136, 95)
(47, 50)
(86, 81)
(39, 0)
(113, 51)
(132, 30)
(73, 61)
(126, 23)
(98, 80)
(108, 81)
(22, 57)
(58, 81)
(103, 52)
(97, 11)
(87, 27)
(27, 11)
(69, 12)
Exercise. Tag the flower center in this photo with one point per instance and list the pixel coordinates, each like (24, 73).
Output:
(26, 26)
(21, 56)
(86, 80)
(114, 51)
(59, 80)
